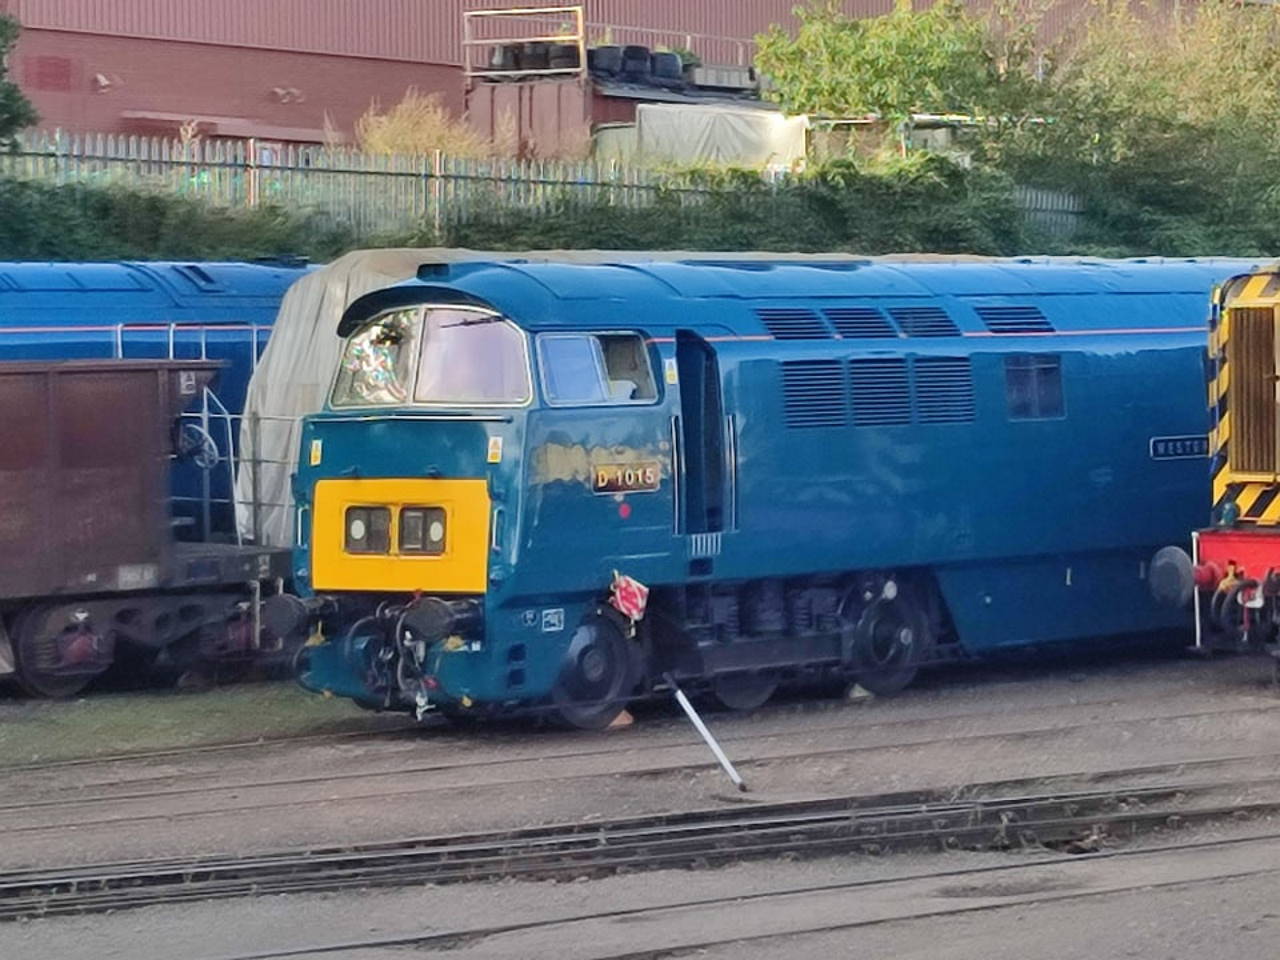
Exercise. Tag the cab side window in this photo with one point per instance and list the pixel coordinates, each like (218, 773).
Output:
(626, 367)
(571, 369)
(591, 369)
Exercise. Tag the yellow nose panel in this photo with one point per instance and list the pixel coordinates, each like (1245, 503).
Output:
(462, 568)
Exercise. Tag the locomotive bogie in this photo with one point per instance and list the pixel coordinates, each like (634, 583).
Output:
(405, 653)
(56, 648)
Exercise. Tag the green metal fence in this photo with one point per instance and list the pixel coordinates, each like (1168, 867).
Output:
(375, 194)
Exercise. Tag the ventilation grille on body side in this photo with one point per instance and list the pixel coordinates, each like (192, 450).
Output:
(1251, 395)
(1014, 319)
(944, 390)
(785, 323)
(881, 391)
(924, 322)
(860, 323)
(813, 393)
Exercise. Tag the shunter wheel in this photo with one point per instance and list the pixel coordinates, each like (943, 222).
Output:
(597, 675)
(744, 691)
(888, 641)
(1228, 612)
(54, 656)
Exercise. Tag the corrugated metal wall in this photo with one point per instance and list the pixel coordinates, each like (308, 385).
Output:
(430, 31)
(389, 29)
(417, 30)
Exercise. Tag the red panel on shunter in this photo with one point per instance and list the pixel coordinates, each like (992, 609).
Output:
(1253, 552)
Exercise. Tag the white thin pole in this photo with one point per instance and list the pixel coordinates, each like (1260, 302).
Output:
(701, 727)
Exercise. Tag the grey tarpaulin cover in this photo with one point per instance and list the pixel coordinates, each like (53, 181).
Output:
(741, 136)
(293, 377)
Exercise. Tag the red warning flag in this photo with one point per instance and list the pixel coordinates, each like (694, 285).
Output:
(628, 596)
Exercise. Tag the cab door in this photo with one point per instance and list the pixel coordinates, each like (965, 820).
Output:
(702, 436)
(600, 482)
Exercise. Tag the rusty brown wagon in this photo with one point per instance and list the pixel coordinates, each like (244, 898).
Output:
(89, 567)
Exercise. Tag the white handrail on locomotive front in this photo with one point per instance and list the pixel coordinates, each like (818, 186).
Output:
(171, 329)
(206, 414)
(230, 459)
(236, 463)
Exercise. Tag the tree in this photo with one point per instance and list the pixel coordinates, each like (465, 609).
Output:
(940, 60)
(16, 111)
(1162, 120)
(1170, 129)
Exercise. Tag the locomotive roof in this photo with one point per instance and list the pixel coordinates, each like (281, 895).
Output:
(139, 290)
(726, 292)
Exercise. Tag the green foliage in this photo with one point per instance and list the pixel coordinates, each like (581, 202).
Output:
(1164, 122)
(16, 111)
(923, 203)
(941, 60)
(1164, 126)
(688, 58)
(73, 222)
(1169, 133)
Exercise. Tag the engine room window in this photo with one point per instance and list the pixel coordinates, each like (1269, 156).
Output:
(377, 364)
(1033, 386)
(596, 369)
(471, 357)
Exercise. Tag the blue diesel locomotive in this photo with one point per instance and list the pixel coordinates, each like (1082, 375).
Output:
(549, 486)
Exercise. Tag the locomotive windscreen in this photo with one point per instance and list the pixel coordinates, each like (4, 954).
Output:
(434, 355)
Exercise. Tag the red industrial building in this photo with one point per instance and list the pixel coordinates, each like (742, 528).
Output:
(281, 69)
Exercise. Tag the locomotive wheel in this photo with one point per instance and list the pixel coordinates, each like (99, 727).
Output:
(743, 691)
(597, 675)
(1228, 612)
(889, 641)
(36, 636)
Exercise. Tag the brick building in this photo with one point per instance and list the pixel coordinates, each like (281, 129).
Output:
(277, 69)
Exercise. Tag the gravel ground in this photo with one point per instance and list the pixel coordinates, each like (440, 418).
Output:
(1214, 910)
(1061, 720)
(1223, 919)
(1063, 717)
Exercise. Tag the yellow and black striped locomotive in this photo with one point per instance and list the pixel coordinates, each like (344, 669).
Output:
(1237, 558)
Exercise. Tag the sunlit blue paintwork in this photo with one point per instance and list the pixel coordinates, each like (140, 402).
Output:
(1035, 530)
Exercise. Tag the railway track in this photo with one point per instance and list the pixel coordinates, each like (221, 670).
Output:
(772, 711)
(981, 816)
(290, 798)
(171, 753)
(687, 927)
